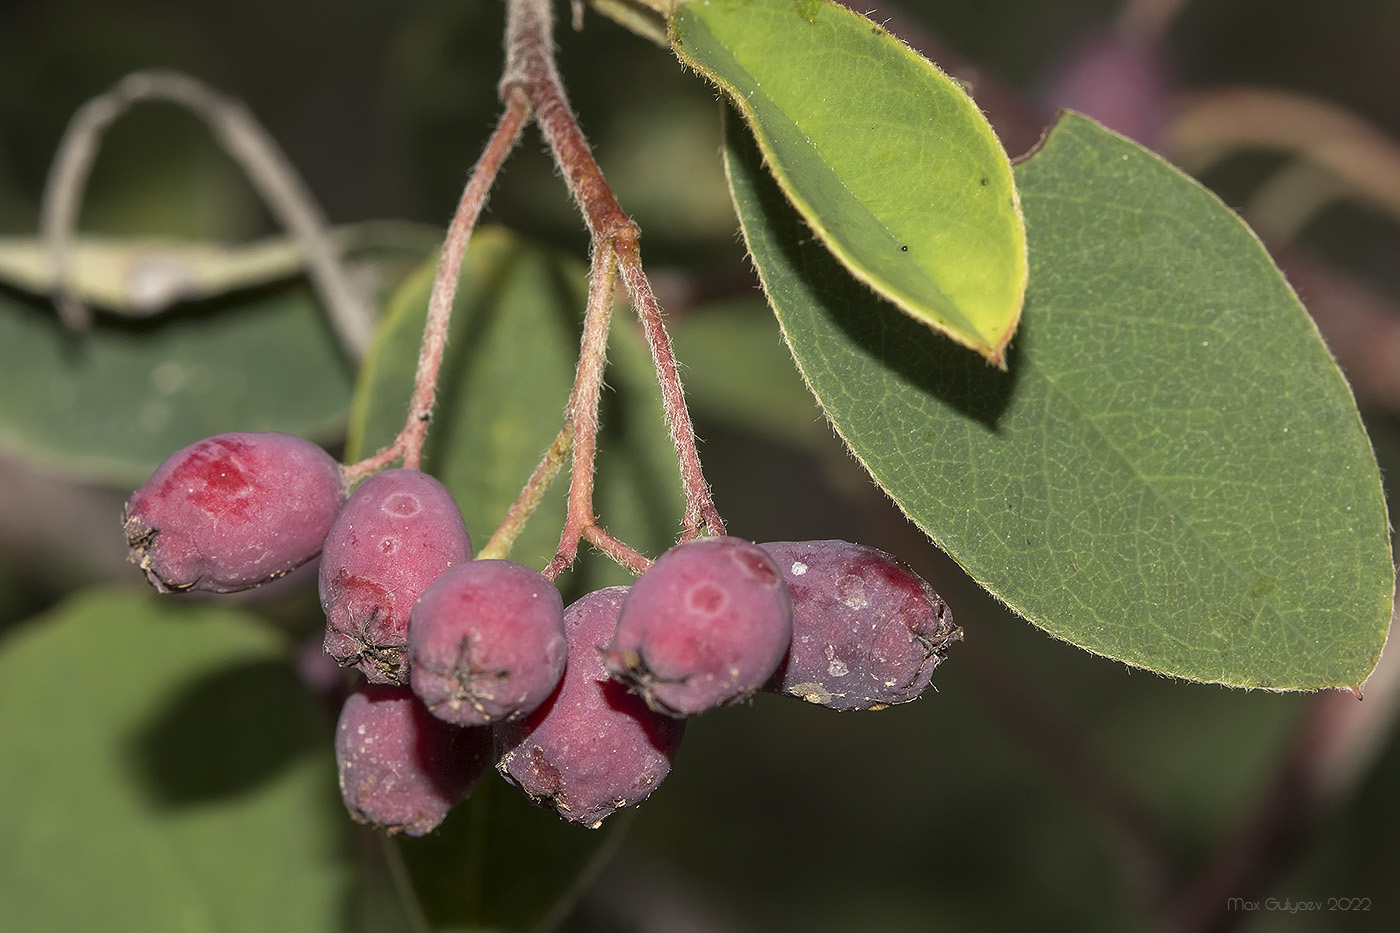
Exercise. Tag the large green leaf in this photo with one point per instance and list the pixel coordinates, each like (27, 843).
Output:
(163, 769)
(889, 161)
(1171, 473)
(506, 378)
(111, 404)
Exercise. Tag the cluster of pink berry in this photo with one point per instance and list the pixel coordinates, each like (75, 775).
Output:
(469, 662)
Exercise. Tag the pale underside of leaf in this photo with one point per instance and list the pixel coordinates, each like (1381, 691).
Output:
(890, 163)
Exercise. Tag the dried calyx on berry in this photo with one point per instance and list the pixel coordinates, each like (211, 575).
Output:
(233, 511)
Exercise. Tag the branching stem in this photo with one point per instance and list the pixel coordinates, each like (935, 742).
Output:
(616, 248)
(530, 85)
(245, 140)
(582, 413)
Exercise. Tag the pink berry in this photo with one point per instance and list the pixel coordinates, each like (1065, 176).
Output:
(593, 747)
(402, 769)
(705, 626)
(397, 533)
(233, 511)
(487, 642)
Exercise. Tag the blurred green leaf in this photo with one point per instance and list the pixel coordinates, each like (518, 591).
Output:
(111, 404)
(737, 369)
(889, 161)
(505, 381)
(1172, 472)
(146, 275)
(164, 770)
(498, 862)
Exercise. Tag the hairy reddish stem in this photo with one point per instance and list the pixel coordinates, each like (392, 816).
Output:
(409, 443)
(530, 67)
(582, 413)
(618, 551)
(616, 239)
(699, 507)
(531, 84)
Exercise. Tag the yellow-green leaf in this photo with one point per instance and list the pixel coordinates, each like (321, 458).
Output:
(886, 158)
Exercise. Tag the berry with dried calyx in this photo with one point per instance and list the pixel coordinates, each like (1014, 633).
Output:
(233, 511)
(486, 641)
(399, 530)
(592, 747)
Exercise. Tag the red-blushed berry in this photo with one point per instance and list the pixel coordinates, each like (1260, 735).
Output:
(399, 530)
(233, 511)
(592, 747)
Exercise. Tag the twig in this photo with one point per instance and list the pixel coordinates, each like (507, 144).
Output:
(444, 292)
(530, 67)
(247, 143)
(699, 506)
(582, 412)
(618, 551)
(1211, 124)
(409, 443)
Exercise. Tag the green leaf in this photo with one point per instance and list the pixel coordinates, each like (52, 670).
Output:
(164, 769)
(111, 404)
(498, 862)
(1172, 472)
(505, 381)
(142, 276)
(888, 160)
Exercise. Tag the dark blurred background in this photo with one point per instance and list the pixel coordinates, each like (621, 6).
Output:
(1038, 786)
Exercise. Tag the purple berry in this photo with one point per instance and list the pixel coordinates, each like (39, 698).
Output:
(233, 511)
(487, 642)
(401, 768)
(867, 632)
(397, 533)
(592, 747)
(705, 626)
